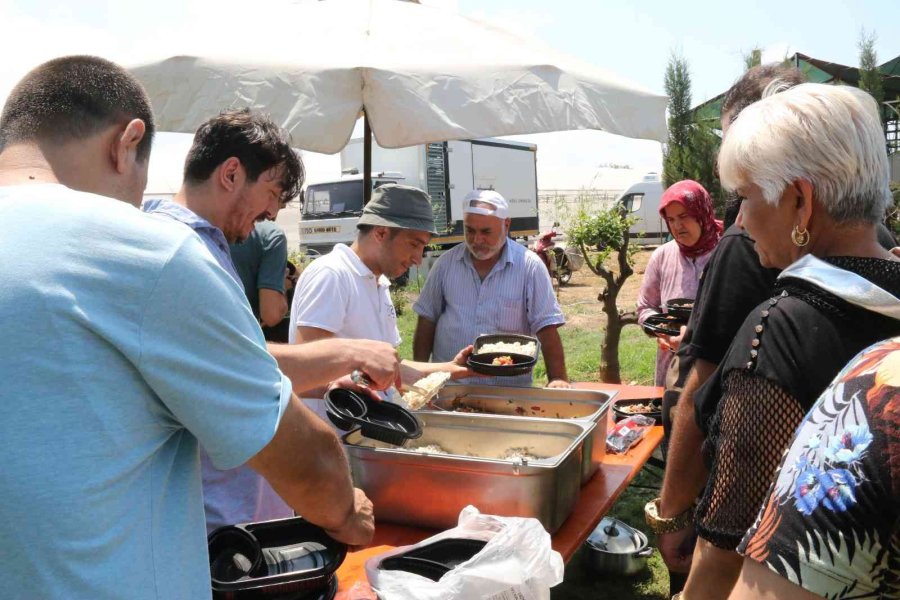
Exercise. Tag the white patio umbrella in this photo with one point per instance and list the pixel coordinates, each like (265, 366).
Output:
(418, 73)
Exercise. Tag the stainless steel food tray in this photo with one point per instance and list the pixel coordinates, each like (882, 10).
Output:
(429, 490)
(548, 403)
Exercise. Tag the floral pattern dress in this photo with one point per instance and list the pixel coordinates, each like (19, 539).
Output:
(831, 523)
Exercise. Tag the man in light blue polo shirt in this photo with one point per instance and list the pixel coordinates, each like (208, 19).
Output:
(490, 284)
(240, 169)
(124, 347)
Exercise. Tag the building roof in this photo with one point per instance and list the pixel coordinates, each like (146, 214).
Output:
(816, 71)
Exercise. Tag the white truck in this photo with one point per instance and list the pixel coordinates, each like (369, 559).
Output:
(641, 201)
(446, 170)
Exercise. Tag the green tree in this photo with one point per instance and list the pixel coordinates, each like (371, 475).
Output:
(869, 75)
(678, 88)
(691, 150)
(601, 237)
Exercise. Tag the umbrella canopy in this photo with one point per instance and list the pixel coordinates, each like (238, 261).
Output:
(420, 73)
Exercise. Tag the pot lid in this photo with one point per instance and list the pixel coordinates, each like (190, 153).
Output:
(616, 537)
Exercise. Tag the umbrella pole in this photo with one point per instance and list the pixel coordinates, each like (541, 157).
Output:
(367, 159)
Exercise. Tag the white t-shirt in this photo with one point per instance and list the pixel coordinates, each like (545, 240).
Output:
(339, 293)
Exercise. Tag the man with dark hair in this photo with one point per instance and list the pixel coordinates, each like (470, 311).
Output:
(67, 100)
(732, 284)
(145, 349)
(239, 171)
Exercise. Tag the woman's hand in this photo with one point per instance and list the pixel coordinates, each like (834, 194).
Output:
(671, 342)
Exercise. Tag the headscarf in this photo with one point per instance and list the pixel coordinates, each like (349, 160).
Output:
(699, 205)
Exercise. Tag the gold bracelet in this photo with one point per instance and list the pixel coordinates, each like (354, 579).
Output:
(660, 525)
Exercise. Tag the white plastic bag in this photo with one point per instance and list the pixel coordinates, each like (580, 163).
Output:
(516, 564)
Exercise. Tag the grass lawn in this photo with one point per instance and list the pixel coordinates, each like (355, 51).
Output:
(581, 340)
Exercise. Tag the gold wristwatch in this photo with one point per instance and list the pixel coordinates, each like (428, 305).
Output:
(660, 525)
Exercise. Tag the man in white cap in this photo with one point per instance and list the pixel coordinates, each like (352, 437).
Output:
(490, 284)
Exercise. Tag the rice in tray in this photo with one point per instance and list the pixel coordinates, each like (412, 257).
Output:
(416, 400)
(429, 449)
(521, 453)
(514, 453)
(528, 348)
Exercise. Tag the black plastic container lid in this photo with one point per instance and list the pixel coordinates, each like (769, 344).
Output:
(383, 421)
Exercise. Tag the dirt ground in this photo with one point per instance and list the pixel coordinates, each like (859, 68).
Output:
(582, 291)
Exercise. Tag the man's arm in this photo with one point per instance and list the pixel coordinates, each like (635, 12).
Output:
(760, 583)
(272, 307)
(686, 473)
(312, 334)
(423, 339)
(411, 371)
(314, 364)
(306, 465)
(554, 356)
(270, 277)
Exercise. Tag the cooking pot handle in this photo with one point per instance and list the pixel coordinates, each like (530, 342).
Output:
(643, 552)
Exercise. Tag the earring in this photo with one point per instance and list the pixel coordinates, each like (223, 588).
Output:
(800, 238)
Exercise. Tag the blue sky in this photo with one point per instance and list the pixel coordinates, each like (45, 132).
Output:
(634, 39)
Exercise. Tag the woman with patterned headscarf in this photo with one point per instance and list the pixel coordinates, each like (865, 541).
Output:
(674, 268)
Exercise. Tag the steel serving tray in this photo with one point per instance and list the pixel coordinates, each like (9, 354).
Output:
(546, 403)
(429, 490)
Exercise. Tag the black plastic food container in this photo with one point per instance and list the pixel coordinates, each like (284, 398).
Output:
(662, 323)
(483, 362)
(239, 572)
(680, 307)
(383, 421)
(655, 413)
(435, 559)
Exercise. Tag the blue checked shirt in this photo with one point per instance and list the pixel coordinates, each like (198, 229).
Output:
(211, 235)
(515, 297)
(239, 495)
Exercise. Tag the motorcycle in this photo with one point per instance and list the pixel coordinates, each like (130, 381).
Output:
(560, 263)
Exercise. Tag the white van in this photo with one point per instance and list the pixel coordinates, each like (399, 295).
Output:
(641, 202)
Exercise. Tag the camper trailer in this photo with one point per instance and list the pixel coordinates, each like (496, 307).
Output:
(641, 202)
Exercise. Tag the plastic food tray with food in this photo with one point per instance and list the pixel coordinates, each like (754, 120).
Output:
(664, 324)
(504, 354)
(649, 407)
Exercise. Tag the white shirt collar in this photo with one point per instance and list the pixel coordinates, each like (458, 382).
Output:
(357, 265)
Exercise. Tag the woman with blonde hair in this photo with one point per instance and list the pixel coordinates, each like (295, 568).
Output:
(811, 166)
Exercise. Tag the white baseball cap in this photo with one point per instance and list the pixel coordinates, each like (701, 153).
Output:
(486, 202)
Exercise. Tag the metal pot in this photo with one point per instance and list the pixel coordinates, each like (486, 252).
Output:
(616, 548)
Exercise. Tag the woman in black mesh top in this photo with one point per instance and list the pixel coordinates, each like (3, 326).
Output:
(811, 166)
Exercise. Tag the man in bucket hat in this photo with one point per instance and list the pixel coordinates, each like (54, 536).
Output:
(490, 284)
(346, 293)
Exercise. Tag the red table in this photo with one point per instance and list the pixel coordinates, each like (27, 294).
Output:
(597, 497)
